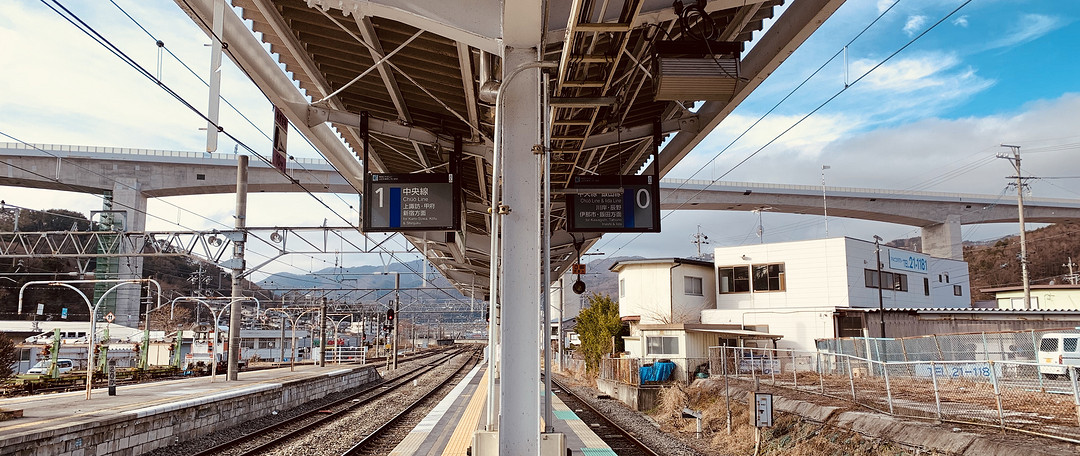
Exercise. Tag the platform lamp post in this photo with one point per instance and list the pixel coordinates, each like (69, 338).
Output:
(93, 312)
(880, 283)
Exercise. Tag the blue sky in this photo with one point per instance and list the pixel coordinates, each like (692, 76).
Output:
(930, 119)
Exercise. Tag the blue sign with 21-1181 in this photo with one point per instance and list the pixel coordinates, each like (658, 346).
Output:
(907, 261)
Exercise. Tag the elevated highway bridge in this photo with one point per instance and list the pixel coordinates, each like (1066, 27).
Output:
(160, 173)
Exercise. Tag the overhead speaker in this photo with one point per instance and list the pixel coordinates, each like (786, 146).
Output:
(696, 70)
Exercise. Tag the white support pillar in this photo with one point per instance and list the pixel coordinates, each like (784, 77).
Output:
(519, 394)
(944, 240)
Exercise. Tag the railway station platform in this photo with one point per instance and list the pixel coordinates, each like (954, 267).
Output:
(448, 428)
(146, 416)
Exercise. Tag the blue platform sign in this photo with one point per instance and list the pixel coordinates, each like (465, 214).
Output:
(902, 260)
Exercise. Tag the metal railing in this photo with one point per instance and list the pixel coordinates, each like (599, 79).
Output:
(46, 148)
(997, 346)
(1029, 397)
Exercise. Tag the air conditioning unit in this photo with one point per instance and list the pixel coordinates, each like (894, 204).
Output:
(696, 70)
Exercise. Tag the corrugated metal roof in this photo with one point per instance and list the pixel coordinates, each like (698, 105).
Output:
(431, 84)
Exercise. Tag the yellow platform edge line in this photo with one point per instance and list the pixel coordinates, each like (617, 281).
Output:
(461, 439)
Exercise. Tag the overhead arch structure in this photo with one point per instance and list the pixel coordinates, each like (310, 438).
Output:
(427, 71)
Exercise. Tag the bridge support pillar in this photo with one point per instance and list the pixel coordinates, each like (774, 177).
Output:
(128, 197)
(943, 240)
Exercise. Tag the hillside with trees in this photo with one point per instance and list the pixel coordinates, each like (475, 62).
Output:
(997, 263)
(178, 275)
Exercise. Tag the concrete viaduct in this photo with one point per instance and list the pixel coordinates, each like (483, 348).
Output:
(133, 175)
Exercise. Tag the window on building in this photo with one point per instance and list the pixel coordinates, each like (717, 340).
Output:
(247, 343)
(769, 277)
(946, 277)
(734, 279)
(926, 286)
(692, 286)
(849, 326)
(622, 288)
(957, 290)
(892, 280)
(662, 345)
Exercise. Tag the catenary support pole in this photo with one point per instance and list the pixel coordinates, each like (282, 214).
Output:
(238, 266)
(323, 345)
(394, 328)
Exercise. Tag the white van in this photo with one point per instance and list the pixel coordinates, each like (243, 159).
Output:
(42, 367)
(1058, 348)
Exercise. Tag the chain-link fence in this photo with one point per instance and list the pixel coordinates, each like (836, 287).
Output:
(1019, 395)
(997, 346)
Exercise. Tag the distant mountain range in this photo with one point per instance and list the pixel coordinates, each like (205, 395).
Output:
(367, 283)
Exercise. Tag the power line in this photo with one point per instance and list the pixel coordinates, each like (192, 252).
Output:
(807, 115)
(100, 39)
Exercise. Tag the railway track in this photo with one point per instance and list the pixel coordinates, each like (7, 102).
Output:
(275, 437)
(621, 441)
(383, 439)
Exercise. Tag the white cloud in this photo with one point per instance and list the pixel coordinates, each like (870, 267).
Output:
(914, 24)
(883, 5)
(961, 21)
(1029, 27)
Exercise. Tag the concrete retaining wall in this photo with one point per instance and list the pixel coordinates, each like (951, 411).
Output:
(640, 399)
(138, 431)
(925, 436)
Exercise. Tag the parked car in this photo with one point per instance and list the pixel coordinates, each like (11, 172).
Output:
(1059, 349)
(42, 367)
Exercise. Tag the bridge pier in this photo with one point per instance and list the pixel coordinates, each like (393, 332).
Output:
(943, 240)
(127, 197)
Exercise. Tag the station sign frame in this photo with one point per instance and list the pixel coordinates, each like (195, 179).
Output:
(616, 204)
(401, 202)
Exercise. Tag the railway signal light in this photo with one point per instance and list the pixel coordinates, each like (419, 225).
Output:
(389, 314)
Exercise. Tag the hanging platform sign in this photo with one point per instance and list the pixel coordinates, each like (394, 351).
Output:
(411, 201)
(620, 204)
(617, 204)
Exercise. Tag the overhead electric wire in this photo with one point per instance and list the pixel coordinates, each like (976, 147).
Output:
(807, 115)
(161, 44)
(97, 37)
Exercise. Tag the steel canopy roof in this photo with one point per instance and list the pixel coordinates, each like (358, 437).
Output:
(316, 60)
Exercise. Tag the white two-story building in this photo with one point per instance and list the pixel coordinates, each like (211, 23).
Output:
(808, 290)
(784, 294)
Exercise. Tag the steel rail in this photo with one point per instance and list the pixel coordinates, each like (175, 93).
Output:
(611, 424)
(370, 438)
(386, 385)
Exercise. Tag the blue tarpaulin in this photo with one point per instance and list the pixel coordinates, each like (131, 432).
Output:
(658, 372)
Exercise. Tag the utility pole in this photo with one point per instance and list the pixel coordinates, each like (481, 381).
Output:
(880, 284)
(1015, 159)
(699, 239)
(824, 201)
(1072, 277)
(237, 265)
(760, 225)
